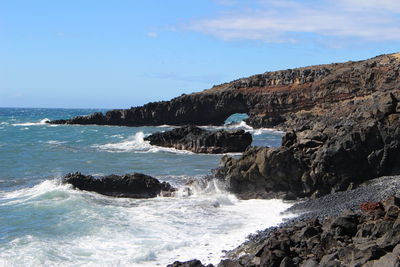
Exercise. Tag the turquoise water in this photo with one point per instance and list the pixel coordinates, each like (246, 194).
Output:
(43, 222)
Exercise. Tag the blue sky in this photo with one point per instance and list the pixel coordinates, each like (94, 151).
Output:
(122, 53)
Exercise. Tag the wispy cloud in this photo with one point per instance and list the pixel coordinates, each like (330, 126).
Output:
(286, 21)
(152, 34)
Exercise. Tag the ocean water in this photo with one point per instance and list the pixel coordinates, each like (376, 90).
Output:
(46, 223)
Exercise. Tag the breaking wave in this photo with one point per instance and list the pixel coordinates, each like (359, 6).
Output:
(41, 122)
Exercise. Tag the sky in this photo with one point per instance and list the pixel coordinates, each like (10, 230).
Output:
(123, 53)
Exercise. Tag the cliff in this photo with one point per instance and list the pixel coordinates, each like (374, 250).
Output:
(272, 99)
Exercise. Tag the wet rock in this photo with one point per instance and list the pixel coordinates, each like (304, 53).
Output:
(311, 242)
(198, 140)
(191, 263)
(134, 185)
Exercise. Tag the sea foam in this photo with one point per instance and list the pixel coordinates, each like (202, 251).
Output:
(41, 122)
(89, 229)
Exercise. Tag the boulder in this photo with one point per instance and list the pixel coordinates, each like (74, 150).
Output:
(135, 185)
(197, 140)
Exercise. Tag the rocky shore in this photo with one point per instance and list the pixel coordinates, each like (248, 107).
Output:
(197, 140)
(360, 227)
(342, 124)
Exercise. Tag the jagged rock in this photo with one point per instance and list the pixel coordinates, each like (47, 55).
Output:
(287, 99)
(318, 161)
(134, 185)
(191, 263)
(198, 140)
(290, 246)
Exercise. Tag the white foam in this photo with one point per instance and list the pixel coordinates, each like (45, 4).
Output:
(242, 125)
(26, 194)
(95, 230)
(41, 122)
(136, 143)
(55, 142)
(117, 136)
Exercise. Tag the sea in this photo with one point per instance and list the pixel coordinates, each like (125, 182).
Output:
(46, 223)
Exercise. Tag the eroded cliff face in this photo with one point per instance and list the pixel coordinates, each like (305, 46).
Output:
(272, 99)
(323, 156)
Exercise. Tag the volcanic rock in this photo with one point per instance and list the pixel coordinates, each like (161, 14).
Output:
(343, 240)
(134, 185)
(325, 158)
(285, 99)
(198, 140)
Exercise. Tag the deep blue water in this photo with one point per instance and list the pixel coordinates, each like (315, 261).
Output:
(45, 223)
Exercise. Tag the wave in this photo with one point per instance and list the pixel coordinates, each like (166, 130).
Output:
(128, 231)
(44, 189)
(242, 125)
(55, 142)
(136, 143)
(41, 122)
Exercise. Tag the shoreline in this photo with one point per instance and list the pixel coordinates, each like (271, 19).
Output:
(323, 209)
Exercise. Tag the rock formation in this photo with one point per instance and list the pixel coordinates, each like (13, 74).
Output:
(134, 185)
(370, 238)
(363, 234)
(271, 99)
(335, 155)
(198, 140)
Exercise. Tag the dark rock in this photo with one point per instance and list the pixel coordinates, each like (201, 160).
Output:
(330, 260)
(392, 212)
(346, 224)
(313, 163)
(191, 263)
(310, 263)
(390, 239)
(198, 140)
(389, 260)
(134, 185)
(370, 207)
(308, 232)
(287, 262)
(229, 263)
(311, 242)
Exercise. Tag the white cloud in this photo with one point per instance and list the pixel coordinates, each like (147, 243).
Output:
(152, 34)
(285, 21)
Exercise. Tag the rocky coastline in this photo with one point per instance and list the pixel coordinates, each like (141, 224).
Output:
(359, 227)
(282, 99)
(342, 124)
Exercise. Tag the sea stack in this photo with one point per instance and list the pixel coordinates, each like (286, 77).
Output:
(198, 140)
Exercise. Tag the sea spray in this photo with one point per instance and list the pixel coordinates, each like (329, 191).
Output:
(88, 228)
